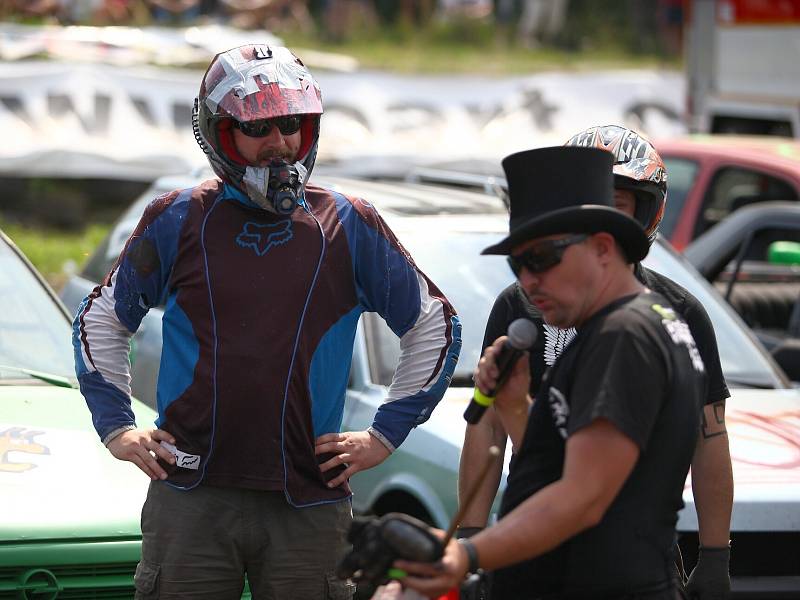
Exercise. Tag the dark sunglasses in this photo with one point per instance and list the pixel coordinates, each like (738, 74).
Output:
(262, 127)
(544, 255)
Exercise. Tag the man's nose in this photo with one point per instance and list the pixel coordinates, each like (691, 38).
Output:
(273, 138)
(528, 279)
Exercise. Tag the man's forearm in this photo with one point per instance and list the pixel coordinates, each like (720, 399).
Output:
(538, 525)
(597, 462)
(514, 420)
(712, 479)
(477, 440)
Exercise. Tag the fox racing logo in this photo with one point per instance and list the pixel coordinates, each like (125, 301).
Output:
(18, 439)
(263, 237)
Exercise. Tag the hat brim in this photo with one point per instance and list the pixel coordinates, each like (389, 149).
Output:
(587, 218)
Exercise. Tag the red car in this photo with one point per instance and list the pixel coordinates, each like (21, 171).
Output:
(710, 176)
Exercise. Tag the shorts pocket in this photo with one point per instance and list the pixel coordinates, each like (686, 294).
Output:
(146, 580)
(339, 589)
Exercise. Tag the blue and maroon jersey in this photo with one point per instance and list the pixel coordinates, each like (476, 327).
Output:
(259, 322)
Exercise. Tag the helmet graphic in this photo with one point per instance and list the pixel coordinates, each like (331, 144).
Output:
(250, 83)
(637, 167)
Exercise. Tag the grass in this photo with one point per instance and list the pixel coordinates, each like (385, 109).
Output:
(55, 253)
(471, 48)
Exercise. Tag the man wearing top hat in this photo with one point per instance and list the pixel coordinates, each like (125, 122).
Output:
(602, 455)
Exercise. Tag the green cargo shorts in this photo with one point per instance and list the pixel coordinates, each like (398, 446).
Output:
(200, 543)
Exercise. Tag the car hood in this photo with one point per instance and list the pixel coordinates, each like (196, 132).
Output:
(447, 419)
(764, 438)
(57, 479)
(447, 423)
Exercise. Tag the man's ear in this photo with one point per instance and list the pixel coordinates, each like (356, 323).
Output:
(604, 245)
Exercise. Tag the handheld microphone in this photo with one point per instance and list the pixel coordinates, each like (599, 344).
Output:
(521, 335)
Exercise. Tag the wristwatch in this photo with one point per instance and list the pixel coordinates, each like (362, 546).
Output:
(472, 555)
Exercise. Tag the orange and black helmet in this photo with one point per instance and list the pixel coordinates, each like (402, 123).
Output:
(637, 167)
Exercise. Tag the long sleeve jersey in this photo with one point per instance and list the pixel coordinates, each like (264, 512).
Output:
(259, 322)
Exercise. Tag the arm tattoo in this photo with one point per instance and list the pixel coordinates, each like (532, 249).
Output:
(713, 420)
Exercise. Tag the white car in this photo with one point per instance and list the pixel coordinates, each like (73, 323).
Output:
(445, 228)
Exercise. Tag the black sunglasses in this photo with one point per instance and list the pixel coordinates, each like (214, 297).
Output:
(262, 127)
(544, 255)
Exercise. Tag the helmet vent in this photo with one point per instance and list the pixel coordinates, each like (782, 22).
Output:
(262, 52)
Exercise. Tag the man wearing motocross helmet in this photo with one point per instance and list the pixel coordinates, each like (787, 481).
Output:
(640, 182)
(603, 452)
(263, 278)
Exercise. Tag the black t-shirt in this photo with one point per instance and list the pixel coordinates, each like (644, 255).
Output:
(512, 303)
(635, 364)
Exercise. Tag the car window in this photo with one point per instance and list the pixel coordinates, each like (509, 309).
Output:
(470, 281)
(743, 361)
(34, 332)
(734, 187)
(681, 174)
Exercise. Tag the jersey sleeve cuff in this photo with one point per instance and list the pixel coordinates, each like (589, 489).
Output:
(119, 430)
(381, 438)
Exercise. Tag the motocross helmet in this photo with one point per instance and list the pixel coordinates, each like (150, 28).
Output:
(251, 83)
(637, 167)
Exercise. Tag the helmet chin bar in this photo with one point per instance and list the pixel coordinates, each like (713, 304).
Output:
(273, 189)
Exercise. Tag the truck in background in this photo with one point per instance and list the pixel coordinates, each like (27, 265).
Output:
(743, 66)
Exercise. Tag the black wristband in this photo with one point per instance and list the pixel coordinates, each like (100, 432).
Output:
(472, 555)
(467, 532)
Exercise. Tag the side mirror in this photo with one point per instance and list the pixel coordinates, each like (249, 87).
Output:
(784, 253)
(787, 355)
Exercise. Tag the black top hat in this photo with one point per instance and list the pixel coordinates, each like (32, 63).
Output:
(566, 189)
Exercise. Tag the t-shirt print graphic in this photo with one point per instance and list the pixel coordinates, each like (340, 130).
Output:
(555, 340)
(559, 409)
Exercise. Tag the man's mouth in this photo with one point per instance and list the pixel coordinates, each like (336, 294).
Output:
(540, 302)
(265, 159)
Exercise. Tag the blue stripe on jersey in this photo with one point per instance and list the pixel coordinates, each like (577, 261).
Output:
(111, 409)
(396, 419)
(329, 372)
(179, 355)
(377, 264)
(77, 344)
(137, 289)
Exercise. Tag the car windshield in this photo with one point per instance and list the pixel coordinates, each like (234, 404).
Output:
(35, 333)
(472, 282)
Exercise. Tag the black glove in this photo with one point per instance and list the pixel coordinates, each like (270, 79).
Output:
(710, 579)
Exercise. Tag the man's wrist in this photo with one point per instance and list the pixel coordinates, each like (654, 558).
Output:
(467, 532)
(715, 549)
(381, 438)
(110, 437)
(473, 564)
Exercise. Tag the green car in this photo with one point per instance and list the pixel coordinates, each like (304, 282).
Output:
(69, 524)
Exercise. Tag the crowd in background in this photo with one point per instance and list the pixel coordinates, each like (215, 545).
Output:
(530, 23)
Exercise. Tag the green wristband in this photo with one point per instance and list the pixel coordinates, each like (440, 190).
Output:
(482, 399)
(394, 573)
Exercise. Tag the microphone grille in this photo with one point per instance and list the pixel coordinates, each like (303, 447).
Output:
(521, 334)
